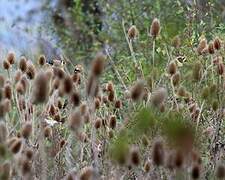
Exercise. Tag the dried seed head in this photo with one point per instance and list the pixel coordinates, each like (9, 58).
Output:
(172, 68)
(25, 167)
(137, 91)
(97, 103)
(158, 97)
(176, 79)
(6, 65)
(23, 64)
(220, 68)
(75, 99)
(24, 81)
(202, 45)
(76, 78)
(47, 132)
(83, 109)
(181, 91)
(62, 143)
(118, 104)
(111, 96)
(134, 156)
(11, 57)
(58, 72)
(67, 84)
(29, 153)
(158, 153)
(75, 120)
(16, 146)
(7, 105)
(17, 76)
(87, 173)
(211, 48)
(8, 91)
(220, 171)
(155, 28)
(176, 42)
(3, 132)
(147, 166)
(92, 87)
(195, 172)
(2, 81)
(98, 123)
(26, 130)
(110, 86)
(52, 110)
(132, 32)
(217, 43)
(112, 121)
(178, 159)
(42, 60)
(20, 88)
(31, 71)
(98, 64)
(40, 91)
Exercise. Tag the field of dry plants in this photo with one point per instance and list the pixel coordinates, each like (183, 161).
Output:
(139, 117)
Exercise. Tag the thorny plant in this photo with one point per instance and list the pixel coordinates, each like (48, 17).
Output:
(57, 124)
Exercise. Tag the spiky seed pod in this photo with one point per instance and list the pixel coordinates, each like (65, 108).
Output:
(118, 104)
(62, 143)
(16, 146)
(22, 104)
(24, 81)
(75, 120)
(220, 69)
(6, 65)
(98, 123)
(217, 43)
(158, 97)
(59, 103)
(2, 81)
(112, 122)
(155, 28)
(3, 132)
(158, 153)
(137, 91)
(11, 57)
(40, 91)
(67, 84)
(132, 32)
(211, 48)
(220, 171)
(58, 72)
(41, 60)
(31, 71)
(23, 64)
(75, 99)
(25, 167)
(26, 130)
(176, 79)
(98, 64)
(110, 86)
(197, 71)
(8, 91)
(201, 46)
(7, 105)
(195, 171)
(83, 109)
(87, 173)
(147, 166)
(97, 103)
(47, 132)
(176, 42)
(111, 96)
(29, 153)
(172, 68)
(52, 110)
(17, 76)
(134, 156)
(178, 159)
(92, 87)
(19, 88)
(76, 78)
(181, 91)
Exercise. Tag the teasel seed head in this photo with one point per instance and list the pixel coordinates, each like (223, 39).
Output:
(92, 87)
(52, 110)
(31, 71)
(217, 43)
(202, 45)
(97, 103)
(98, 123)
(3, 132)
(40, 91)
(26, 130)
(76, 78)
(172, 68)
(19, 88)
(155, 28)
(220, 68)
(23, 64)
(176, 42)
(98, 64)
(220, 171)
(197, 71)
(112, 121)
(17, 76)
(75, 120)
(137, 91)
(118, 104)
(11, 57)
(158, 96)
(41, 60)
(29, 153)
(47, 132)
(7, 105)
(195, 171)
(135, 156)
(111, 96)
(67, 84)
(110, 86)
(8, 91)
(6, 65)
(181, 91)
(58, 72)
(158, 153)
(211, 48)
(25, 167)
(16, 146)
(176, 79)
(75, 99)
(87, 173)
(132, 32)
(178, 159)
